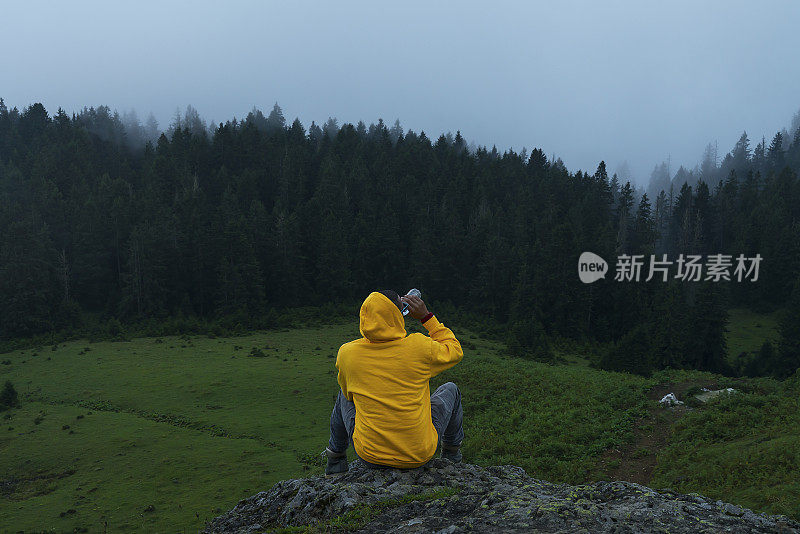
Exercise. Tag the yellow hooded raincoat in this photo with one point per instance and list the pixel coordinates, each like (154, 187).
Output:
(386, 373)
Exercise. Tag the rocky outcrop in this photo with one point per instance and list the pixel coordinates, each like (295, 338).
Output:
(446, 498)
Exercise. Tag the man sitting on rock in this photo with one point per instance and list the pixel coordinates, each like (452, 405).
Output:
(384, 406)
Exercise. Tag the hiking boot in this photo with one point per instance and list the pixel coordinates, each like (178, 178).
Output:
(452, 453)
(337, 462)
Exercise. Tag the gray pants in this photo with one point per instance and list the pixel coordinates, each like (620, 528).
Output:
(446, 412)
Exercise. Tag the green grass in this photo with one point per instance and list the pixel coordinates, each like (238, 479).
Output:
(161, 434)
(748, 330)
(552, 420)
(181, 427)
(742, 448)
(175, 430)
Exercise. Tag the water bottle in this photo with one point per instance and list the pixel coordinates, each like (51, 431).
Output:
(412, 293)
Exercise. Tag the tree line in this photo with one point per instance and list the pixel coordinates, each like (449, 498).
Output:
(257, 214)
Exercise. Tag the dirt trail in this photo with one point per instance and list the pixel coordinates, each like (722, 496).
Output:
(636, 461)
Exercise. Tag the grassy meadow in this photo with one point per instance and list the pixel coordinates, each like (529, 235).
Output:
(747, 330)
(743, 448)
(161, 434)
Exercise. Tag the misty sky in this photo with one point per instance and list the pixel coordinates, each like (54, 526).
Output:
(636, 81)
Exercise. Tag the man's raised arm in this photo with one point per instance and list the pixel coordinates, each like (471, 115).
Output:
(446, 351)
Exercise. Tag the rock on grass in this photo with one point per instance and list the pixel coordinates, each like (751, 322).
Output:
(443, 497)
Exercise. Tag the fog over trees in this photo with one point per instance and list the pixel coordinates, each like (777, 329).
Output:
(760, 157)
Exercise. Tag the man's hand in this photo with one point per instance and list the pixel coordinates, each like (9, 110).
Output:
(416, 308)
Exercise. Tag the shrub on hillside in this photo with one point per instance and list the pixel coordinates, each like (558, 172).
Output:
(527, 338)
(793, 382)
(8, 397)
(255, 352)
(632, 353)
(114, 330)
(759, 363)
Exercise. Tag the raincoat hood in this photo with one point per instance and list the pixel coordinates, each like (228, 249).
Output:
(380, 319)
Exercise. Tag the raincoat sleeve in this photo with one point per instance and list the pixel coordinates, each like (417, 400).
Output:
(342, 376)
(446, 351)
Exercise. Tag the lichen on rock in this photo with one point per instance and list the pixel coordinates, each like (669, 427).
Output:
(447, 498)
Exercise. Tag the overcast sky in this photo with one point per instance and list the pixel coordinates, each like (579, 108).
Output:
(636, 81)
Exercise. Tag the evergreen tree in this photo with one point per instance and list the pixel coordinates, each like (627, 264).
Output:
(645, 233)
(659, 179)
(760, 156)
(788, 360)
(623, 212)
(682, 224)
(615, 189)
(395, 132)
(741, 153)
(775, 156)
(660, 222)
(707, 346)
(29, 287)
(708, 166)
(315, 134)
(704, 220)
(275, 120)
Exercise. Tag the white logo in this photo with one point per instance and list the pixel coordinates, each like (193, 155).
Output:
(591, 267)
